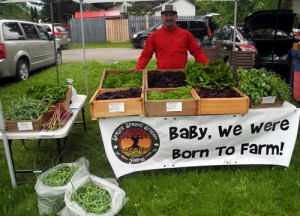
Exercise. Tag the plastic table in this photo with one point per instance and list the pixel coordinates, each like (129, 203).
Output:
(76, 106)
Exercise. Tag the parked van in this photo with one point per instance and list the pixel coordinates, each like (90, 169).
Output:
(24, 47)
(198, 28)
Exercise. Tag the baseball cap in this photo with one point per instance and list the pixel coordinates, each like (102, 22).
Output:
(169, 8)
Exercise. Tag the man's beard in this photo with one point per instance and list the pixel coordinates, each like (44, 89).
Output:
(169, 25)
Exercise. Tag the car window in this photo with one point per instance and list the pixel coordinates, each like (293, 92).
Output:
(197, 25)
(182, 24)
(216, 35)
(59, 29)
(12, 31)
(227, 33)
(44, 35)
(47, 28)
(30, 31)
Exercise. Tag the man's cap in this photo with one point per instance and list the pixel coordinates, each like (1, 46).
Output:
(169, 8)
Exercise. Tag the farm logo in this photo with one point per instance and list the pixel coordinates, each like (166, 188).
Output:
(135, 142)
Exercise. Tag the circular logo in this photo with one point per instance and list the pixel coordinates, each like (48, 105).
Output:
(134, 142)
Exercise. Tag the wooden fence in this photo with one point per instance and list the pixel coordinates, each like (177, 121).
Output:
(117, 30)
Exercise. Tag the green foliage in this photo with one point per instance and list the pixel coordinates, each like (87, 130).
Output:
(179, 93)
(15, 11)
(244, 8)
(47, 93)
(213, 74)
(123, 79)
(258, 83)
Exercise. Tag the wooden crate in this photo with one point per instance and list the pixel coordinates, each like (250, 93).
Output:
(65, 104)
(212, 106)
(277, 103)
(159, 107)
(21, 125)
(106, 72)
(160, 70)
(104, 108)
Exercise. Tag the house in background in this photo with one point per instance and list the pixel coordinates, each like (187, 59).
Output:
(184, 7)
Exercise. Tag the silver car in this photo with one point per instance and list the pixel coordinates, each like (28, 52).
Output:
(24, 47)
(61, 34)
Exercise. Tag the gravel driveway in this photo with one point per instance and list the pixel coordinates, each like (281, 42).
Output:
(102, 54)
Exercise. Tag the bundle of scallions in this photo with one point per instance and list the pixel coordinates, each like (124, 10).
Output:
(92, 198)
(60, 176)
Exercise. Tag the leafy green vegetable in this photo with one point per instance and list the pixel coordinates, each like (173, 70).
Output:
(48, 93)
(213, 74)
(258, 83)
(26, 109)
(123, 79)
(179, 93)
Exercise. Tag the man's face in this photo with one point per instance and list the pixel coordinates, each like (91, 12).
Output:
(169, 19)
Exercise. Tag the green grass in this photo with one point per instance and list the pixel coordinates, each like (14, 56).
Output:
(211, 191)
(100, 45)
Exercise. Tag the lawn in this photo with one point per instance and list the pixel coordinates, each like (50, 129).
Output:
(211, 191)
(100, 45)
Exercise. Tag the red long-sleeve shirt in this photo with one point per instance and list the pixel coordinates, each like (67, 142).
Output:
(170, 48)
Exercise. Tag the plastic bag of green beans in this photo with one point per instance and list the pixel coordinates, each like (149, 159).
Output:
(52, 184)
(92, 194)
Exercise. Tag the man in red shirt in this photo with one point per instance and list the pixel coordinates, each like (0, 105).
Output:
(170, 44)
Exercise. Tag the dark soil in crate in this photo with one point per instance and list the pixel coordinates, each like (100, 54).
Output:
(168, 79)
(226, 92)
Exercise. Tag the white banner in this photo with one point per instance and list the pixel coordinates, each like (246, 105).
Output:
(262, 136)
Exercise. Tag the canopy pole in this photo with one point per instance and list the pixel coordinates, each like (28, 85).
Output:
(7, 152)
(55, 54)
(275, 34)
(234, 30)
(83, 47)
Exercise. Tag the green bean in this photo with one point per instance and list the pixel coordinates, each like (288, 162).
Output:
(92, 198)
(60, 176)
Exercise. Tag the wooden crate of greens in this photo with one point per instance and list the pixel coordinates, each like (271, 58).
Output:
(213, 106)
(176, 107)
(27, 125)
(106, 72)
(111, 108)
(165, 83)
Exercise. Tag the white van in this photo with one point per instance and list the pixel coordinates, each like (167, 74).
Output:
(24, 47)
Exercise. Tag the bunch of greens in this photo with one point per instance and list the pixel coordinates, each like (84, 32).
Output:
(258, 83)
(48, 93)
(92, 198)
(213, 74)
(60, 176)
(123, 79)
(26, 109)
(179, 93)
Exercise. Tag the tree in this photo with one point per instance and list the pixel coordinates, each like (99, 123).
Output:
(15, 11)
(244, 7)
(34, 14)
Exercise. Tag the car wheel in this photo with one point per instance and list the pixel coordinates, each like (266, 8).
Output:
(59, 57)
(22, 70)
(143, 42)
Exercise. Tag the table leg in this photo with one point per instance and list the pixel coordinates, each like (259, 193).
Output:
(83, 119)
(59, 150)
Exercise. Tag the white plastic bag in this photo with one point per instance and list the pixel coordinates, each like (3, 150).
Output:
(117, 195)
(51, 198)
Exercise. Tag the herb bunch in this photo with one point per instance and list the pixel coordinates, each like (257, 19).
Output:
(48, 93)
(179, 93)
(213, 74)
(258, 83)
(123, 79)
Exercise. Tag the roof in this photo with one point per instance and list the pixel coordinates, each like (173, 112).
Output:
(97, 14)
